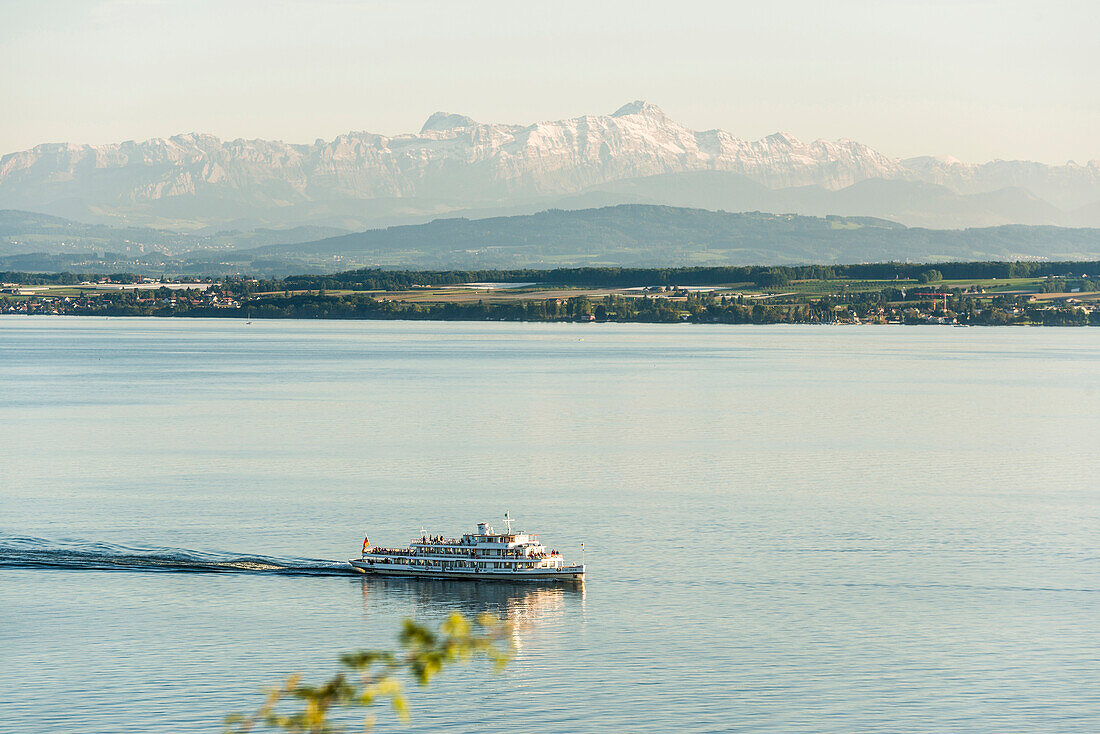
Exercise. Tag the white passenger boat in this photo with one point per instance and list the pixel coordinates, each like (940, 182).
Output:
(482, 555)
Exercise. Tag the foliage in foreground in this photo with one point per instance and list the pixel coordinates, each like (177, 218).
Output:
(371, 676)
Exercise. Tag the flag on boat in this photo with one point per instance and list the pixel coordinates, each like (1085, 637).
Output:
(366, 544)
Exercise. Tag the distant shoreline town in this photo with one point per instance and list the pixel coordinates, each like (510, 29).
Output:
(961, 294)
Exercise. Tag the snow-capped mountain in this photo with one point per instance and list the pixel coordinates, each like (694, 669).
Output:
(1069, 186)
(455, 164)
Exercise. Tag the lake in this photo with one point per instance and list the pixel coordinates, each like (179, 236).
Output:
(787, 529)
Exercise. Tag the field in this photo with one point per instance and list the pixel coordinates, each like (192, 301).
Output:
(495, 293)
(795, 290)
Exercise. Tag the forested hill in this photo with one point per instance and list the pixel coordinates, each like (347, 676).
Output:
(634, 235)
(641, 235)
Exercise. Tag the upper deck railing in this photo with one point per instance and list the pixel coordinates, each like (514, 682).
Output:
(468, 540)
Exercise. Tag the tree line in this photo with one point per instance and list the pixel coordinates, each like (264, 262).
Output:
(618, 277)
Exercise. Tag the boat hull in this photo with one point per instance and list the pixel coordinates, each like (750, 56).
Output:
(377, 569)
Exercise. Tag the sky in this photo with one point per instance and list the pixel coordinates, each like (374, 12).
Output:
(974, 79)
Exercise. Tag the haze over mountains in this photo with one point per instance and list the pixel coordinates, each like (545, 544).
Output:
(456, 166)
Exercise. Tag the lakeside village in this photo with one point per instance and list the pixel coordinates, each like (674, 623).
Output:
(1065, 300)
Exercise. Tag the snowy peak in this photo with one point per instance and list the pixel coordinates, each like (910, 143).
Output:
(784, 139)
(444, 121)
(639, 107)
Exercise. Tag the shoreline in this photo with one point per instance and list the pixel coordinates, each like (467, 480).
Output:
(405, 319)
(985, 294)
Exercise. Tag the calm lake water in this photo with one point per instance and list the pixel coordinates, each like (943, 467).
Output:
(788, 529)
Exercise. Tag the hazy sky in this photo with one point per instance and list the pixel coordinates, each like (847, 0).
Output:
(974, 79)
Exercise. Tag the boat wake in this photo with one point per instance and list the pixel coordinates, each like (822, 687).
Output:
(37, 553)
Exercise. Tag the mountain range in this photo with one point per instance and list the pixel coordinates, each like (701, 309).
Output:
(455, 166)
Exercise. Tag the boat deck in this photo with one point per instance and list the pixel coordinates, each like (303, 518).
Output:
(569, 573)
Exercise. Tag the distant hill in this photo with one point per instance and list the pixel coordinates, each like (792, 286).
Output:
(632, 235)
(647, 235)
(25, 233)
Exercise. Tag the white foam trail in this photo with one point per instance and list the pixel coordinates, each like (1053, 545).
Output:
(28, 552)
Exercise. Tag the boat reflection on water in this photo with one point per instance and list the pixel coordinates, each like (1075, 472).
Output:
(525, 606)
